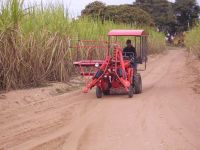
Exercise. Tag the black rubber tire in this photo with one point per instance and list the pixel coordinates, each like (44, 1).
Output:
(130, 92)
(106, 92)
(138, 83)
(99, 92)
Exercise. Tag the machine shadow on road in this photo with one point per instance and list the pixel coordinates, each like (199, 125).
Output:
(118, 97)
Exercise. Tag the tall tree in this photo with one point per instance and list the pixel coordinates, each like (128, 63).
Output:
(161, 11)
(128, 14)
(94, 9)
(187, 13)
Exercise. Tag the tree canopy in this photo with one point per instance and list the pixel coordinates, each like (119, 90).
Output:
(94, 9)
(128, 14)
(166, 16)
(160, 10)
(187, 13)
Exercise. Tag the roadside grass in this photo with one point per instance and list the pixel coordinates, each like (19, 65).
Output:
(192, 40)
(35, 43)
(157, 42)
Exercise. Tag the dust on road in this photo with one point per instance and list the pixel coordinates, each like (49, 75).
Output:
(164, 117)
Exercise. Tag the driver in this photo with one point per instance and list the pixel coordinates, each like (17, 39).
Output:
(130, 51)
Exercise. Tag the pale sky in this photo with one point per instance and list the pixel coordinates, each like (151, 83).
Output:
(75, 6)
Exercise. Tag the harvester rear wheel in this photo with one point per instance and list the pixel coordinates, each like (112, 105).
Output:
(98, 92)
(130, 92)
(138, 83)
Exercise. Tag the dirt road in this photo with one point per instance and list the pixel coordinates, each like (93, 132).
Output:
(166, 116)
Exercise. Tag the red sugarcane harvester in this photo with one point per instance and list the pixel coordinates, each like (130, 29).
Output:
(116, 70)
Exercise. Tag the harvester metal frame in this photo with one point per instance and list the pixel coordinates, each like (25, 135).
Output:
(115, 71)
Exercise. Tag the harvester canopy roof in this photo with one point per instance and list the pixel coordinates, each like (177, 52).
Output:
(127, 33)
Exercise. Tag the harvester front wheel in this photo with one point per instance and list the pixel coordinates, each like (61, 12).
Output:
(130, 92)
(138, 84)
(98, 92)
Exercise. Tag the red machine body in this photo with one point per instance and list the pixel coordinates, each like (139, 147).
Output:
(114, 71)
